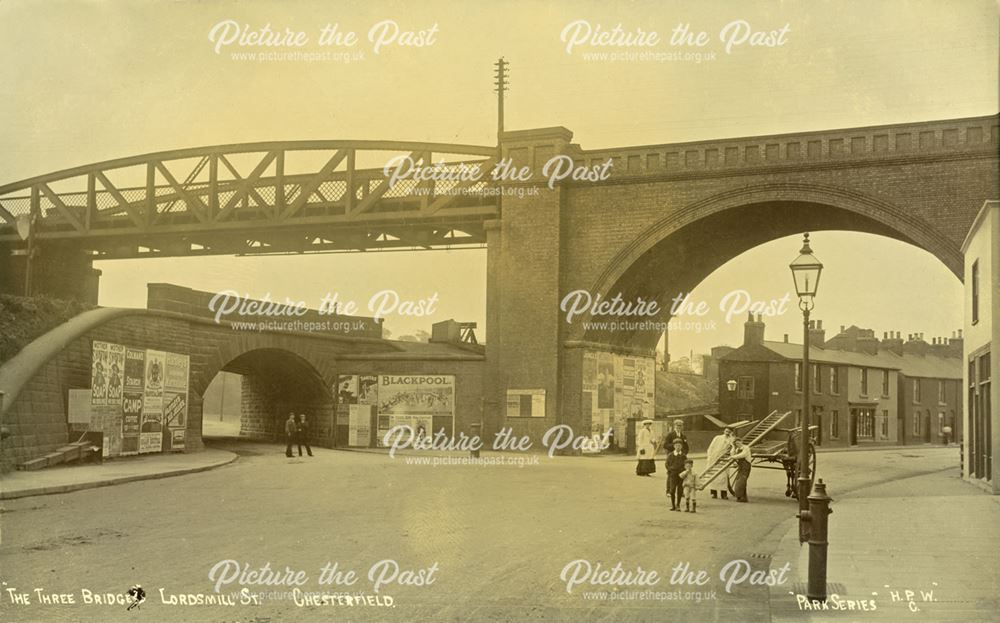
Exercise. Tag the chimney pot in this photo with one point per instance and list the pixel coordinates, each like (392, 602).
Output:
(819, 324)
(959, 334)
(786, 338)
(842, 328)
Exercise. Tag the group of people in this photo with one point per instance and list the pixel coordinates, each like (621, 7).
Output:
(297, 433)
(682, 480)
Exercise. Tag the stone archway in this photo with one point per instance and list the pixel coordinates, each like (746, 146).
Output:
(276, 382)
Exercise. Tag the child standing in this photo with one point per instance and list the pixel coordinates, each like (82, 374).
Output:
(689, 480)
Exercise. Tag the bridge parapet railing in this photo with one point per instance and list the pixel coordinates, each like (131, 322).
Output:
(974, 137)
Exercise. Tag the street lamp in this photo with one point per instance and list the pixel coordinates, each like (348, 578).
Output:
(806, 270)
(731, 385)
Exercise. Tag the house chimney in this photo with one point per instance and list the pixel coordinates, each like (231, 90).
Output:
(753, 331)
(786, 338)
(955, 345)
(916, 345)
(894, 343)
(817, 335)
(867, 343)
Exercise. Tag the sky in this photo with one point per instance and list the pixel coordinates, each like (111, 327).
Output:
(94, 80)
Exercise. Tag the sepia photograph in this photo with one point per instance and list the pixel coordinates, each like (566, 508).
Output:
(511, 311)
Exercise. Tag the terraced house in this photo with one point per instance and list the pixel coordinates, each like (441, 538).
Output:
(865, 391)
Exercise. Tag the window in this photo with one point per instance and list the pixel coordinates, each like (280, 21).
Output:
(798, 377)
(834, 425)
(916, 390)
(864, 381)
(885, 382)
(975, 292)
(834, 380)
(941, 393)
(745, 386)
(817, 379)
(885, 425)
(866, 424)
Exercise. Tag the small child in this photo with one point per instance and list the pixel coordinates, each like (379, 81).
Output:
(689, 480)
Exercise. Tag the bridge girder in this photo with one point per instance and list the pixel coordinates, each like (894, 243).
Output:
(309, 196)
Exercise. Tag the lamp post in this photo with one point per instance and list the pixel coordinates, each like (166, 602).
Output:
(806, 270)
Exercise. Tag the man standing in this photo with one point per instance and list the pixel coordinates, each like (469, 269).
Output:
(677, 433)
(291, 432)
(675, 465)
(719, 448)
(742, 455)
(303, 434)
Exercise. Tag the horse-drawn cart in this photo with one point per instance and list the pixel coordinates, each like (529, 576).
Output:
(768, 450)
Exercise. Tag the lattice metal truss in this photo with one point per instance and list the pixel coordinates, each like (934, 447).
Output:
(289, 197)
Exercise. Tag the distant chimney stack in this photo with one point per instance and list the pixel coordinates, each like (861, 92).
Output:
(817, 335)
(753, 331)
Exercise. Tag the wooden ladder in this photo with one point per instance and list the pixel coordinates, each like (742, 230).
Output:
(752, 436)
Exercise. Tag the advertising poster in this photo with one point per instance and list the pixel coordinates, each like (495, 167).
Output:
(150, 442)
(108, 420)
(174, 409)
(107, 367)
(347, 389)
(131, 421)
(135, 369)
(176, 371)
(360, 425)
(381, 213)
(368, 389)
(99, 373)
(155, 363)
(431, 395)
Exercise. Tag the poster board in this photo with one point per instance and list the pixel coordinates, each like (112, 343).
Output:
(525, 403)
(78, 406)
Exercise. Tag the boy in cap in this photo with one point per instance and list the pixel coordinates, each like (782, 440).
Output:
(689, 482)
(675, 465)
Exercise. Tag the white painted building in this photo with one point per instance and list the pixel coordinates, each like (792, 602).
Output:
(982, 348)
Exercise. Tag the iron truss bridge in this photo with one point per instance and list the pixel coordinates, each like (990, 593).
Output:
(254, 198)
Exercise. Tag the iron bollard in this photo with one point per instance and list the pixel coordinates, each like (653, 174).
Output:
(818, 518)
(475, 429)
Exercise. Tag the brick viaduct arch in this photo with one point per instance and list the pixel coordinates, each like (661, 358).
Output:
(707, 233)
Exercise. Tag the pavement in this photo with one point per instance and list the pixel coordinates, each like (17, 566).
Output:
(66, 478)
(920, 548)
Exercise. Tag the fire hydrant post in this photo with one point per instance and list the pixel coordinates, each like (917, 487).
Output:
(818, 518)
(475, 429)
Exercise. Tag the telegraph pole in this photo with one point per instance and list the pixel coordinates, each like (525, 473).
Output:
(500, 76)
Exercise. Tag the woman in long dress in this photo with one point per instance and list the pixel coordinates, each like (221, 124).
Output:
(741, 453)
(719, 447)
(644, 450)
